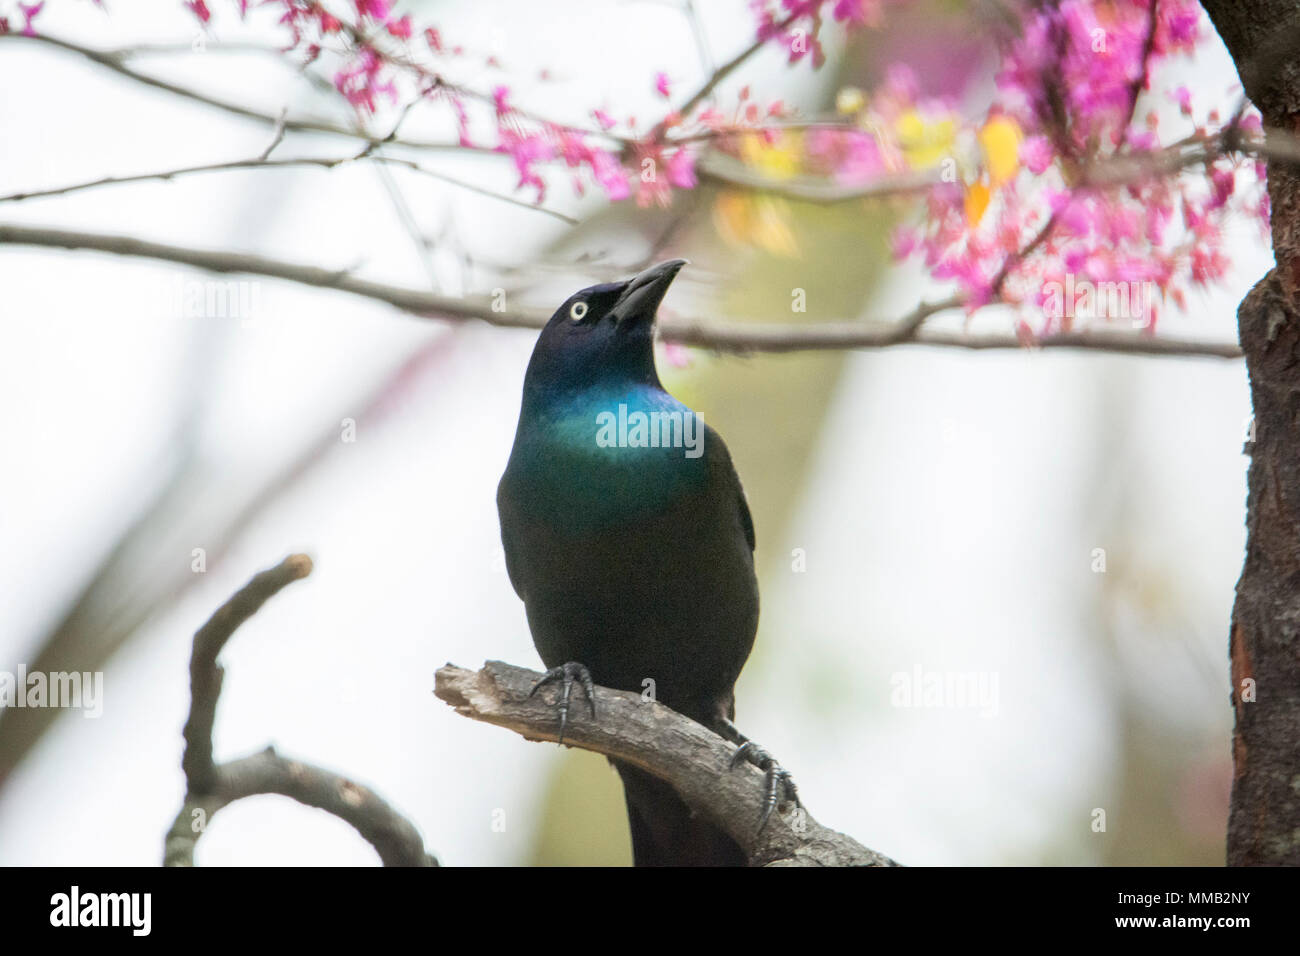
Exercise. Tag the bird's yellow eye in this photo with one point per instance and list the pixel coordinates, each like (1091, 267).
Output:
(578, 311)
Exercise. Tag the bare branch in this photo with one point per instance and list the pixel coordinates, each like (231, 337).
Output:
(394, 838)
(409, 300)
(116, 61)
(209, 786)
(720, 336)
(206, 674)
(277, 136)
(693, 759)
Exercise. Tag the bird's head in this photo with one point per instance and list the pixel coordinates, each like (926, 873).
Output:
(603, 334)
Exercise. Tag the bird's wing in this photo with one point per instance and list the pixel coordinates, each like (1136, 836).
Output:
(506, 513)
(725, 473)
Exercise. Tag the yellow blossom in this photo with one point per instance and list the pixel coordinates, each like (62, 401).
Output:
(977, 200)
(925, 142)
(849, 100)
(777, 160)
(1000, 140)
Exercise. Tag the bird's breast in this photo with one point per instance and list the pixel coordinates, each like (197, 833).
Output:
(607, 459)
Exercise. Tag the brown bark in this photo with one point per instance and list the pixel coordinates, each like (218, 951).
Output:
(1263, 37)
(645, 734)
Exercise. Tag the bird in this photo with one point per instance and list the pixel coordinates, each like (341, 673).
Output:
(628, 537)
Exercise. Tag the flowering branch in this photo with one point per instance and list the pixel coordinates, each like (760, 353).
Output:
(722, 72)
(1068, 179)
(264, 162)
(1109, 172)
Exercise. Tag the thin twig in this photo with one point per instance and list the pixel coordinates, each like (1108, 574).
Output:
(206, 674)
(115, 61)
(277, 136)
(367, 155)
(722, 72)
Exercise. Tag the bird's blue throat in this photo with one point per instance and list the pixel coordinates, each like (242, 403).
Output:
(609, 452)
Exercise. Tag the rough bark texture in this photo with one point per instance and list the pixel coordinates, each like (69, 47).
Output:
(694, 760)
(1263, 37)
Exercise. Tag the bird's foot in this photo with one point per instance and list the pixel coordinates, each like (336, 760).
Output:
(567, 674)
(778, 785)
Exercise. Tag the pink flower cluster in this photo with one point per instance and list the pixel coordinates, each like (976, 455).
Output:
(796, 24)
(1072, 84)
(29, 12)
(1072, 70)
(1072, 80)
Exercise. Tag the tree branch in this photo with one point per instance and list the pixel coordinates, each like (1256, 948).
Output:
(741, 337)
(211, 786)
(115, 60)
(693, 759)
(1112, 171)
(264, 162)
(722, 72)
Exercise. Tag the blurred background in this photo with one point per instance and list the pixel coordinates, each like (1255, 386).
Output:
(917, 509)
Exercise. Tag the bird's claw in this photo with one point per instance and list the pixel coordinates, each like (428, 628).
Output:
(778, 785)
(567, 674)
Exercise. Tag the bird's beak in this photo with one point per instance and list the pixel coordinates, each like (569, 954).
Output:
(642, 294)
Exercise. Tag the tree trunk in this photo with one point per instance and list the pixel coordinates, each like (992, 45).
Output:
(1263, 37)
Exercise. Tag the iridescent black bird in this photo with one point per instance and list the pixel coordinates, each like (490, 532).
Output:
(631, 544)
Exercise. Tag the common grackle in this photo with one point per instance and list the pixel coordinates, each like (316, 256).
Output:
(628, 537)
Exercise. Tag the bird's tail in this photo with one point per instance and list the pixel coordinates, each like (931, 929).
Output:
(666, 832)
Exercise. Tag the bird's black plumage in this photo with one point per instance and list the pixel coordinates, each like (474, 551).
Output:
(633, 560)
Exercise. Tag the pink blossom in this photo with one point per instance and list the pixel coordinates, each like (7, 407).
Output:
(609, 173)
(681, 170)
(501, 101)
(1037, 154)
(375, 9)
(528, 150)
(361, 83)
(904, 242)
(462, 121)
(400, 28)
(900, 82)
(661, 84)
(1222, 182)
